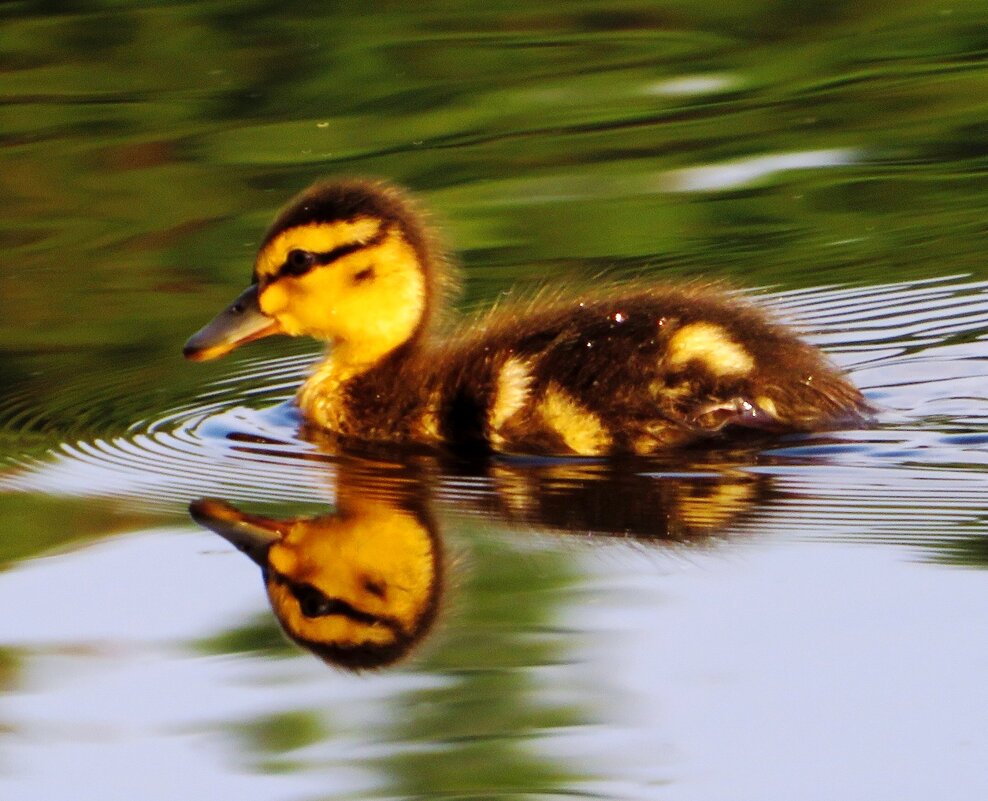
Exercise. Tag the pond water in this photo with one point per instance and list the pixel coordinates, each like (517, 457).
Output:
(798, 618)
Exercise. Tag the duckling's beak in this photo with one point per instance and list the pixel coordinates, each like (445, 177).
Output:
(252, 534)
(240, 322)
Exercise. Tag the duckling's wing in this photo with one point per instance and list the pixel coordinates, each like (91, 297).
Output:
(649, 373)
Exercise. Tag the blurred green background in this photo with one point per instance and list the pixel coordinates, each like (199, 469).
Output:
(146, 147)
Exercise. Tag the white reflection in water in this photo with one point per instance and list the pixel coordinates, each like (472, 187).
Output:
(777, 673)
(744, 172)
(146, 587)
(691, 85)
(116, 706)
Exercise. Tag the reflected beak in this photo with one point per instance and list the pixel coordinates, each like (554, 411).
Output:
(241, 322)
(252, 534)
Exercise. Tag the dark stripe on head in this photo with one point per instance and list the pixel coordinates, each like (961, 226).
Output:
(299, 262)
(337, 201)
(313, 603)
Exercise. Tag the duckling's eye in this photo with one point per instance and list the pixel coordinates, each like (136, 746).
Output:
(298, 262)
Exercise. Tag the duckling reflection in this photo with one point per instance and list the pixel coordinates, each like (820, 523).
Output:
(360, 587)
(604, 499)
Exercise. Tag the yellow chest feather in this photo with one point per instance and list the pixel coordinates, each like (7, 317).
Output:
(322, 399)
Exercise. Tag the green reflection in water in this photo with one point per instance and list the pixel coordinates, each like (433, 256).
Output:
(480, 735)
(35, 524)
(11, 663)
(260, 636)
(968, 551)
(281, 733)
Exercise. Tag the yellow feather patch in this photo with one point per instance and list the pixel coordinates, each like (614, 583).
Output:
(656, 437)
(513, 385)
(767, 405)
(513, 487)
(580, 429)
(315, 238)
(320, 398)
(717, 506)
(643, 445)
(363, 319)
(428, 423)
(283, 560)
(710, 344)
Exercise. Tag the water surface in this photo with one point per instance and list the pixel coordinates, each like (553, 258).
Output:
(802, 618)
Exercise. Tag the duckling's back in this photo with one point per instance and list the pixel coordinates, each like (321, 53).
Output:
(636, 373)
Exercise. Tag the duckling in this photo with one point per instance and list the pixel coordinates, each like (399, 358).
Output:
(636, 369)
(358, 588)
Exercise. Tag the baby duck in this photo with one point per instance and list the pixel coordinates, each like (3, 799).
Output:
(639, 370)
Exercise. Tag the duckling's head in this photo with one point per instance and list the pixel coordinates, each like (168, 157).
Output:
(347, 262)
(358, 588)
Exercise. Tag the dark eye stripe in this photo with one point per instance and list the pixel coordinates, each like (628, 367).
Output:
(329, 256)
(314, 603)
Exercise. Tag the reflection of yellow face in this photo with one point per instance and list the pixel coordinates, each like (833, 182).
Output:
(364, 287)
(357, 584)
(358, 588)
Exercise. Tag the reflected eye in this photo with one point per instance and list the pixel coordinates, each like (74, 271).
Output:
(311, 602)
(313, 607)
(298, 262)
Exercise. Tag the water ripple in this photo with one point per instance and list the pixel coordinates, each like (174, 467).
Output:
(919, 350)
